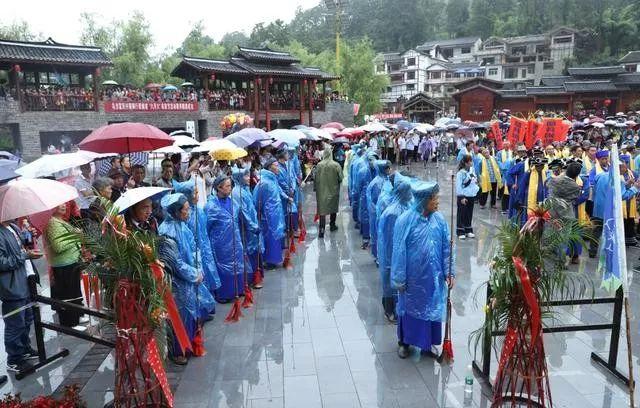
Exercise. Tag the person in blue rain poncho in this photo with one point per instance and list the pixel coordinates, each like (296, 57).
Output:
(199, 230)
(354, 192)
(268, 198)
(185, 267)
(382, 169)
(289, 207)
(295, 175)
(363, 178)
(420, 270)
(224, 234)
(249, 229)
(400, 201)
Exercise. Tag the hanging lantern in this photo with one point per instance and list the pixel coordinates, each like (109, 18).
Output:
(607, 102)
(17, 68)
(270, 80)
(212, 77)
(304, 82)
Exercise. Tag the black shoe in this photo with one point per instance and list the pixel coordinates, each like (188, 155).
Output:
(403, 351)
(321, 234)
(365, 245)
(333, 228)
(391, 317)
(31, 355)
(17, 367)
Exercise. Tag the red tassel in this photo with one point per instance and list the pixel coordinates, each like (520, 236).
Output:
(316, 218)
(447, 351)
(303, 230)
(292, 245)
(198, 343)
(248, 297)
(235, 313)
(258, 276)
(287, 259)
(85, 286)
(96, 291)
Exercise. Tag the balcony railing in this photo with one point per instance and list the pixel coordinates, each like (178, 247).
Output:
(37, 102)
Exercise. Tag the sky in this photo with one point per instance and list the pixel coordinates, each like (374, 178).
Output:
(168, 21)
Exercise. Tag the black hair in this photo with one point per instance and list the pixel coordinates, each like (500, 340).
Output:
(466, 158)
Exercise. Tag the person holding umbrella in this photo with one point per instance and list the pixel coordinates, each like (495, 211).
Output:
(420, 265)
(327, 186)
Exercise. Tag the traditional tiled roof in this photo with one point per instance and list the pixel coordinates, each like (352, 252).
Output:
(454, 42)
(52, 52)
(270, 69)
(266, 55)
(218, 66)
(632, 56)
(545, 90)
(512, 93)
(632, 78)
(324, 75)
(596, 71)
(557, 80)
(592, 86)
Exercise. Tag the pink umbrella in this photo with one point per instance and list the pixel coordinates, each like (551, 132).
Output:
(336, 125)
(25, 197)
(332, 131)
(126, 138)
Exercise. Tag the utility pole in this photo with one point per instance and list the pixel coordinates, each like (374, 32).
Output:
(336, 9)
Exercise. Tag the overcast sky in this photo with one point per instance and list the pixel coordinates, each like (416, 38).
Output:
(170, 21)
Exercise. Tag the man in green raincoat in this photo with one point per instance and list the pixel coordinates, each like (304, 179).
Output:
(327, 185)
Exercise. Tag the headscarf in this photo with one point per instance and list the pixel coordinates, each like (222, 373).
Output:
(219, 180)
(172, 204)
(422, 192)
(237, 174)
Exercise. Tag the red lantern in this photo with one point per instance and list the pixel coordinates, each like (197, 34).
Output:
(607, 102)
(270, 81)
(213, 77)
(17, 68)
(304, 82)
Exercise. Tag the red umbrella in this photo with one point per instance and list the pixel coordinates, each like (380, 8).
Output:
(126, 138)
(336, 125)
(356, 132)
(153, 86)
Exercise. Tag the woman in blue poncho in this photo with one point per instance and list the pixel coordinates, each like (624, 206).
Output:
(354, 193)
(184, 265)
(249, 229)
(420, 270)
(283, 176)
(363, 178)
(382, 168)
(295, 177)
(224, 234)
(211, 278)
(268, 198)
(401, 199)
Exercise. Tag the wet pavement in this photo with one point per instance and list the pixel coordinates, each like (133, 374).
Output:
(317, 337)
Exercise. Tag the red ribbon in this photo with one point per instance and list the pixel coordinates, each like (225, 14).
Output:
(530, 299)
(172, 309)
(158, 370)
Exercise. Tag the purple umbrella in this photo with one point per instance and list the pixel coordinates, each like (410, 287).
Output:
(248, 136)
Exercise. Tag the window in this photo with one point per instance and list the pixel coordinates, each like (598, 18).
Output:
(523, 72)
(411, 62)
(562, 40)
(388, 89)
(395, 67)
(531, 69)
(547, 66)
(451, 89)
(541, 49)
(493, 71)
(511, 73)
(465, 50)
(411, 75)
(489, 61)
(477, 110)
(435, 75)
(30, 77)
(411, 87)
(426, 87)
(447, 53)
(631, 67)
(518, 50)
(75, 79)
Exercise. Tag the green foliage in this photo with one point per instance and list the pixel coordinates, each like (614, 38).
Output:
(198, 44)
(231, 41)
(276, 33)
(457, 17)
(19, 30)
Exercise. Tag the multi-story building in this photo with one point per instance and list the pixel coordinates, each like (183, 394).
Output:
(434, 67)
(631, 61)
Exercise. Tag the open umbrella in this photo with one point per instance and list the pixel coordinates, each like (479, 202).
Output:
(169, 88)
(374, 127)
(135, 195)
(300, 127)
(153, 86)
(597, 125)
(310, 135)
(7, 155)
(209, 145)
(185, 141)
(291, 137)
(185, 84)
(424, 128)
(228, 154)
(340, 139)
(20, 198)
(7, 174)
(404, 125)
(109, 82)
(53, 163)
(173, 149)
(336, 125)
(126, 138)
(331, 131)
(247, 137)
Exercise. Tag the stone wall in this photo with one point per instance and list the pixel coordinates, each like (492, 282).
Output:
(30, 124)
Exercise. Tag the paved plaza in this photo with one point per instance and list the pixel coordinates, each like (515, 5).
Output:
(317, 337)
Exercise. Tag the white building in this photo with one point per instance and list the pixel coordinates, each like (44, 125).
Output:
(631, 61)
(454, 50)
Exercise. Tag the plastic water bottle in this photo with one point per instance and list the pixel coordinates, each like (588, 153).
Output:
(468, 386)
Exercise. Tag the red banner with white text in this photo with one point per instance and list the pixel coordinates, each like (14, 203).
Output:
(112, 106)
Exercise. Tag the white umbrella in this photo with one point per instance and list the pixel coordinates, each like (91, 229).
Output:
(184, 141)
(20, 198)
(211, 145)
(598, 125)
(610, 122)
(135, 195)
(53, 163)
(424, 128)
(374, 127)
(321, 133)
(173, 149)
(291, 137)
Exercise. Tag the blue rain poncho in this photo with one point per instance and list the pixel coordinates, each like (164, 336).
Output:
(211, 277)
(193, 299)
(363, 178)
(267, 198)
(354, 193)
(243, 199)
(373, 193)
(226, 243)
(399, 204)
(284, 181)
(386, 195)
(295, 177)
(420, 259)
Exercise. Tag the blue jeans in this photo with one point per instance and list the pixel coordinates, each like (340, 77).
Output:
(16, 330)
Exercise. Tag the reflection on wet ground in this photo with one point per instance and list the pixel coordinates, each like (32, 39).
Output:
(317, 337)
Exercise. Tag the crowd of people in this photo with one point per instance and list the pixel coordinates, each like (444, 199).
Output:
(51, 98)
(133, 94)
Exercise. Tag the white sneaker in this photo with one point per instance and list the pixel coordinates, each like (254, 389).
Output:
(462, 237)
(471, 235)
(84, 320)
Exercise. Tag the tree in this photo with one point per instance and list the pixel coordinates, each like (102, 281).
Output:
(480, 19)
(358, 78)
(314, 28)
(19, 31)
(275, 33)
(457, 17)
(197, 44)
(231, 41)
(97, 35)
